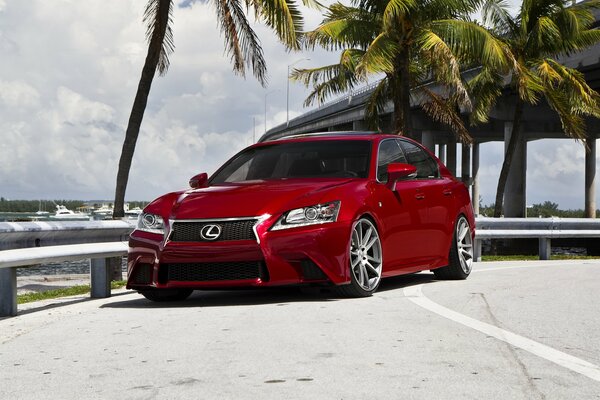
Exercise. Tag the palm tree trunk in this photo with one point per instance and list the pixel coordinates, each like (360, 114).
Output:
(139, 106)
(508, 156)
(402, 119)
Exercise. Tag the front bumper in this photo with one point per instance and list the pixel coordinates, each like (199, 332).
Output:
(312, 254)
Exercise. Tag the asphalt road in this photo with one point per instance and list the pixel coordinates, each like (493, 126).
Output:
(521, 330)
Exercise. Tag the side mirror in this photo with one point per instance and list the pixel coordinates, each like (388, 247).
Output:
(199, 181)
(399, 171)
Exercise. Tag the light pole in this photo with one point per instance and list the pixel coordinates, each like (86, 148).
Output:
(287, 105)
(266, 94)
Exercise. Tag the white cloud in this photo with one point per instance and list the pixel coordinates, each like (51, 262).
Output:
(68, 79)
(18, 94)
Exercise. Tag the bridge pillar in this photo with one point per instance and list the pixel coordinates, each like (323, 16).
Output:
(465, 164)
(442, 152)
(427, 140)
(475, 179)
(451, 155)
(516, 184)
(590, 178)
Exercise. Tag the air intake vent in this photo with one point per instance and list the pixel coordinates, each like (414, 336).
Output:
(215, 271)
(142, 274)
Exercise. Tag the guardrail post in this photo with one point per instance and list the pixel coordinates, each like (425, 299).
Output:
(100, 277)
(545, 248)
(477, 250)
(8, 292)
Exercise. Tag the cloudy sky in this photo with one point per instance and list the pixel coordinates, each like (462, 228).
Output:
(69, 72)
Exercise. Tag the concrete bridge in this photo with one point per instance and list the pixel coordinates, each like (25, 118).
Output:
(539, 122)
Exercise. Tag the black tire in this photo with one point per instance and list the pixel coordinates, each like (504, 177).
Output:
(460, 259)
(164, 295)
(366, 255)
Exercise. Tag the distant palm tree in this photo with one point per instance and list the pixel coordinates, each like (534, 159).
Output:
(243, 46)
(408, 42)
(541, 31)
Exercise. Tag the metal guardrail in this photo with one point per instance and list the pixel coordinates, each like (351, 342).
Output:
(543, 229)
(15, 235)
(35, 242)
(23, 244)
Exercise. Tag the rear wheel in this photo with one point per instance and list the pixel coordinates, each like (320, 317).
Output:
(163, 295)
(366, 260)
(460, 259)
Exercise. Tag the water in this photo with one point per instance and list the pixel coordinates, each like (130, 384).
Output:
(62, 268)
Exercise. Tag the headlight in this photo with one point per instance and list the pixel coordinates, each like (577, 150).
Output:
(151, 223)
(313, 215)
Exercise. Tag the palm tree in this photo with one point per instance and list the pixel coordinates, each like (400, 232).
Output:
(408, 42)
(243, 46)
(541, 31)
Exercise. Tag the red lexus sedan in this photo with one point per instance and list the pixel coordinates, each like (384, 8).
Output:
(343, 209)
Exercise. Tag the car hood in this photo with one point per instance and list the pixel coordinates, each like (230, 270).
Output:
(250, 199)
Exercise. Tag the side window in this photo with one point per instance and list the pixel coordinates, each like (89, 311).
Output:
(426, 166)
(389, 152)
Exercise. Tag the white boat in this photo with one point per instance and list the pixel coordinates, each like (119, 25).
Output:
(64, 214)
(104, 211)
(41, 213)
(134, 212)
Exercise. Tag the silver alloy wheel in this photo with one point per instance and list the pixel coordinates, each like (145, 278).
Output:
(464, 245)
(365, 255)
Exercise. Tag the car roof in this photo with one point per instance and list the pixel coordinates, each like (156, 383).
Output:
(317, 136)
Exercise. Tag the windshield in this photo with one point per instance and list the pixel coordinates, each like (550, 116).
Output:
(317, 159)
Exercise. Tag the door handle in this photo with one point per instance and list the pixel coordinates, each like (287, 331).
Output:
(447, 192)
(419, 196)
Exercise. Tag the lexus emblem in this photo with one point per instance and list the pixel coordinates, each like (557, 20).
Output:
(210, 232)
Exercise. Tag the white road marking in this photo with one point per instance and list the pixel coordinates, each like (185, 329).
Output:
(415, 294)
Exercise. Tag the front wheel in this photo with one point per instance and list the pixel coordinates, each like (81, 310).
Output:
(366, 260)
(163, 295)
(460, 259)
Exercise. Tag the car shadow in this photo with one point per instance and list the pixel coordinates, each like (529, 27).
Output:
(263, 296)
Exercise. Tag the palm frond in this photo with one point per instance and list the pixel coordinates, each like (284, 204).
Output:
(545, 36)
(331, 79)
(344, 27)
(582, 98)
(527, 83)
(471, 42)
(284, 17)
(158, 17)
(572, 124)
(379, 57)
(397, 9)
(496, 15)
(242, 44)
(485, 89)
(446, 66)
(445, 112)
(376, 103)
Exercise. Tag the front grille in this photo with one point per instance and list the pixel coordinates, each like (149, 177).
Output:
(214, 271)
(230, 230)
